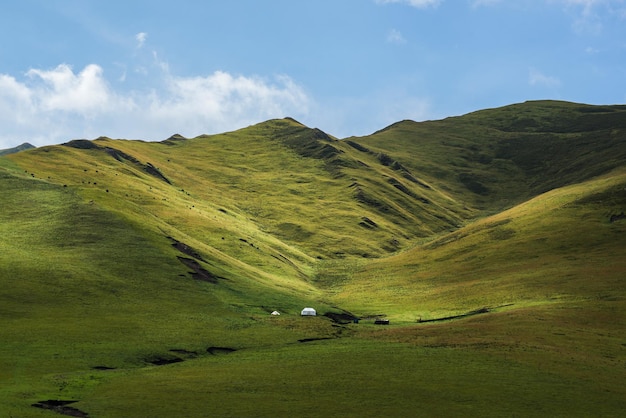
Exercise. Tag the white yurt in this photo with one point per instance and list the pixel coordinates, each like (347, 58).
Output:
(308, 312)
(275, 313)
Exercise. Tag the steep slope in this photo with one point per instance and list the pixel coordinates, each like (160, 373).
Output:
(493, 159)
(317, 195)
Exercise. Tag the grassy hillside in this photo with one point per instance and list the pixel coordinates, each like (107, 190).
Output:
(496, 158)
(558, 247)
(137, 278)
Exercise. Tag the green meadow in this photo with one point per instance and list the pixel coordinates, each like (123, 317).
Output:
(137, 278)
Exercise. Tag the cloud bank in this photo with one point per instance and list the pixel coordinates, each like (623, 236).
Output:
(59, 104)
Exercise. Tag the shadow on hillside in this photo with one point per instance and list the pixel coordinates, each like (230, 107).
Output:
(482, 310)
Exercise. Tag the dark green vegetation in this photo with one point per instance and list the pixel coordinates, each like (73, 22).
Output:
(137, 279)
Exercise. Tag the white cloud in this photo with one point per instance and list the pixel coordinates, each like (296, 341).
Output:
(15, 102)
(537, 78)
(83, 93)
(141, 39)
(395, 37)
(222, 101)
(54, 106)
(415, 3)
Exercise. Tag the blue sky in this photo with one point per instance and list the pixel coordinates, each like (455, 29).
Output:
(146, 69)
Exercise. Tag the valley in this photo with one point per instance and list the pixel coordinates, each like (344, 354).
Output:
(137, 278)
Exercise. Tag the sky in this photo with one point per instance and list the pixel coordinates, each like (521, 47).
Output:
(147, 69)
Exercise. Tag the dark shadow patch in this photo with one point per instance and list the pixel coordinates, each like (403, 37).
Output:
(103, 368)
(387, 161)
(368, 223)
(341, 318)
(395, 183)
(152, 170)
(358, 146)
(120, 155)
(186, 249)
(183, 352)
(308, 340)
(384, 159)
(198, 272)
(61, 407)
(618, 217)
(472, 183)
(370, 200)
(163, 361)
(293, 231)
(314, 143)
(470, 313)
(220, 350)
(81, 144)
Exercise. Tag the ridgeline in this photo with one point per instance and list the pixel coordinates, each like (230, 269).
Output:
(138, 277)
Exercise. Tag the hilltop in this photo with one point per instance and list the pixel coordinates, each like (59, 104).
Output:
(19, 148)
(133, 270)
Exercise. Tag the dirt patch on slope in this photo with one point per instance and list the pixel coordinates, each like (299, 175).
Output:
(61, 407)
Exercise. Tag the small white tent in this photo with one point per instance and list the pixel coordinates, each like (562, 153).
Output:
(275, 313)
(308, 312)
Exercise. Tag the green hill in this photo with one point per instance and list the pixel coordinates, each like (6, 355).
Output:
(138, 277)
(19, 148)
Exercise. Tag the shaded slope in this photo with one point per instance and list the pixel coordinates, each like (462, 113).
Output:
(495, 158)
(21, 147)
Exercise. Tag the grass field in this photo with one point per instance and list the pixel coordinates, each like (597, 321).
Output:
(137, 279)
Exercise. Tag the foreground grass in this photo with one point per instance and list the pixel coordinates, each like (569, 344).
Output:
(361, 376)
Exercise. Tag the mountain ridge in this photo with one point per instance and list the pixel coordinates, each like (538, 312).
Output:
(22, 147)
(143, 267)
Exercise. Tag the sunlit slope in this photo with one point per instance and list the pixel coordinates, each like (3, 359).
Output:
(295, 190)
(566, 245)
(87, 282)
(495, 158)
(138, 193)
(64, 257)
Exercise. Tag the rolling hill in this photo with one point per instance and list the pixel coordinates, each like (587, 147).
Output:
(19, 148)
(138, 277)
